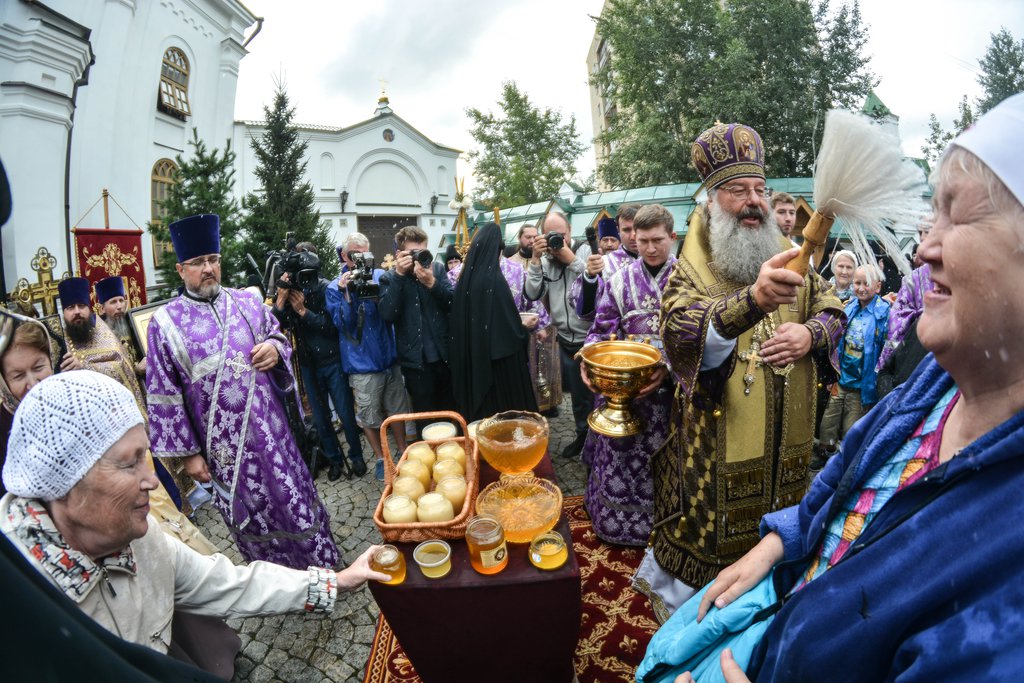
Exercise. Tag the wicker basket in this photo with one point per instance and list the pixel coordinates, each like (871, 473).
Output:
(422, 531)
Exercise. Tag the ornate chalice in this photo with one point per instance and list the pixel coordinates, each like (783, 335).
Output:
(618, 369)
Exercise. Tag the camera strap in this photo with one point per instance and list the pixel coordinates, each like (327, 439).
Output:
(360, 319)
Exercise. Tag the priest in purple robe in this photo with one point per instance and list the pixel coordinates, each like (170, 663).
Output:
(620, 490)
(216, 381)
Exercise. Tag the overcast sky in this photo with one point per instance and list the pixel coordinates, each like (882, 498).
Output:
(441, 56)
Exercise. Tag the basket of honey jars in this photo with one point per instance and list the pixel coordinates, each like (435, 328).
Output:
(430, 492)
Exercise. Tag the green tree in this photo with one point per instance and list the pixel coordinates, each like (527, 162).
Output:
(1002, 75)
(1002, 70)
(525, 152)
(677, 66)
(286, 202)
(204, 183)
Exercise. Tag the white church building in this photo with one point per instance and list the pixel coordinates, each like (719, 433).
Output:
(104, 94)
(375, 176)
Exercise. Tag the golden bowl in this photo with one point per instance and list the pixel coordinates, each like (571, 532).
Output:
(618, 369)
(525, 506)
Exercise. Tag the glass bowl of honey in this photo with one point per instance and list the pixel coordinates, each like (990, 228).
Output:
(525, 506)
(513, 442)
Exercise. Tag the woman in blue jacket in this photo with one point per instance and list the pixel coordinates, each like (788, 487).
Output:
(904, 560)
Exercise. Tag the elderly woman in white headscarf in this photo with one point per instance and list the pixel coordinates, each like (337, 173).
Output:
(78, 510)
(904, 560)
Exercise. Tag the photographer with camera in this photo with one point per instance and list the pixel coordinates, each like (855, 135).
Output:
(417, 298)
(552, 271)
(368, 354)
(300, 305)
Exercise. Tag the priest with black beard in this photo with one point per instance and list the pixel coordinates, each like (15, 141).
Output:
(111, 297)
(738, 330)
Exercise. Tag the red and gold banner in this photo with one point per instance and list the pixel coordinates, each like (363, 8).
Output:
(102, 253)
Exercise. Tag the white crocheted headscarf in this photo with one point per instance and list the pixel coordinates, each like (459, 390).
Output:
(62, 427)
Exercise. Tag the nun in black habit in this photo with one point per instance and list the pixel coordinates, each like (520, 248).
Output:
(488, 354)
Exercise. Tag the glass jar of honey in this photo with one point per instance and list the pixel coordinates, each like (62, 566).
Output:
(399, 509)
(548, 551)
(446, 468)
(485, 540)
(389, 560)
(408, 485)
(433, 507)
(453, 487)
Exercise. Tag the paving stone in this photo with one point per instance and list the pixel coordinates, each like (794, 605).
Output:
(261, 674)
(341, 671)
(275, 658)
(256, 650)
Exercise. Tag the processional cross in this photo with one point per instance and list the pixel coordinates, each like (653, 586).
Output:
(44, 290)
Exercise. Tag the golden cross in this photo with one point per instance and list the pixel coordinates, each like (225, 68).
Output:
(44, 290)
(753, 360)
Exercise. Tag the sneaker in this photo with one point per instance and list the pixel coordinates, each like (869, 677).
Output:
(334, 474)
(379, 470)
(358, 466)
(576, 447)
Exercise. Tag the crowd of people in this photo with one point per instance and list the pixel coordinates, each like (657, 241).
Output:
(798, 434)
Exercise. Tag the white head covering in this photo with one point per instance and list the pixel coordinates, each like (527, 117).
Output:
(994, 140)
(62, 427)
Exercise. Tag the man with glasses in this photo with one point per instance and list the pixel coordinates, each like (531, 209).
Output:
(216, 381)
(738, 329)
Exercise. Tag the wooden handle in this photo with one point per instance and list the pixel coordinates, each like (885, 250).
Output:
(815, 233)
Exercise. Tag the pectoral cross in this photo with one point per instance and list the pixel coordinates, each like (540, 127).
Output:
(753, 360)
(237, 364)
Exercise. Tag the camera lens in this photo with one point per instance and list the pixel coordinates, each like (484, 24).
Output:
(555, 241)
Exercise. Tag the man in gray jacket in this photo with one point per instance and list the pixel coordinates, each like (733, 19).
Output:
(551, 272)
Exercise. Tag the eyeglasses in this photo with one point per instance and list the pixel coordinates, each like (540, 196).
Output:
(213, 260)
(739, 192)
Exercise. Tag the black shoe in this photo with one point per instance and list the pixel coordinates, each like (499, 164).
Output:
(334, 474)
(575, 448)
(358, 467)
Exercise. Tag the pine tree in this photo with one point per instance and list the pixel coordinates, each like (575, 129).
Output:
(204, 183)
(286, 203)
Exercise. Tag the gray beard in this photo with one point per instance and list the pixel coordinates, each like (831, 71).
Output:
(120, 327)
(738, 251)
(207, 291)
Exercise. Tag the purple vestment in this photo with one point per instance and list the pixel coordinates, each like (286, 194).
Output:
(620, 488)
(205, 397)
(908, 307)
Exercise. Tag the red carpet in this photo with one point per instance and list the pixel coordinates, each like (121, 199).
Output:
(616, 626)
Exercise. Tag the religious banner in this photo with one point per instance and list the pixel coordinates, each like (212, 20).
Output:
(102, 253)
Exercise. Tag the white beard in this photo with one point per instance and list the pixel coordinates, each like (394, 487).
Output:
(738, 251)
(120, 327)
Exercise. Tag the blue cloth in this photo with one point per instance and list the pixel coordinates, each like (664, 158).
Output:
(375, 350)
(935, 596)
(195, 236)
(324, 381)
(109, 287)
(863, 340)
(683, 644)
(73, 290)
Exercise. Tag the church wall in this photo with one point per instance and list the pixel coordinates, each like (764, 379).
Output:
(118, 132)
(395, 177)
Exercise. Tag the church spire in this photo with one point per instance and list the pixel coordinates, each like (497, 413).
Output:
(383, 104)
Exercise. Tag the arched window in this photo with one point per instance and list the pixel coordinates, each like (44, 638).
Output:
(173, 98)
(160, 184)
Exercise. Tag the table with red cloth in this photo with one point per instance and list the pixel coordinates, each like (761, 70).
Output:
(521, 624)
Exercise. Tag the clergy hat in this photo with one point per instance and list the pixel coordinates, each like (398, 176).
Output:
(607, 227)
(726, 151)
(108, 288)
(73, 290)
(991, 139)
(196, 236)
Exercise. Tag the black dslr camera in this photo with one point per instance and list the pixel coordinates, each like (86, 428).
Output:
(361, 285)
(422, 257)
(303, 268)
(555, 241)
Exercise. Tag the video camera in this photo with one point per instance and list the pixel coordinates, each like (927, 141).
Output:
(303, 268)
(361, 285)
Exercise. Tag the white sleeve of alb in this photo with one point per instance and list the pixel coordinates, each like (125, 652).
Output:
(716, 349)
